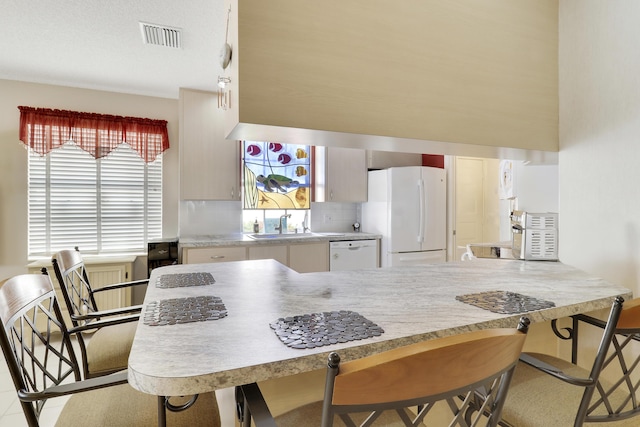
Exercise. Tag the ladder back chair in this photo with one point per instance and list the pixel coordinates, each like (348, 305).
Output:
(105, 337)
(43, 365)
(548, 390)
(401, 387)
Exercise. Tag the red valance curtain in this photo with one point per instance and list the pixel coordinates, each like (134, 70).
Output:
(44, 129)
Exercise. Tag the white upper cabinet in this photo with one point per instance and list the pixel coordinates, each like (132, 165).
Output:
(341, 174)
(209, 164)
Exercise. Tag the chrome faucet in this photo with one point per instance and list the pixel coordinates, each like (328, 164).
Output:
(279, 228)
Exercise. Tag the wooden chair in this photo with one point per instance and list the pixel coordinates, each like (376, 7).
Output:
(549, 391)
(43, 365)
(111, 332)
(462, 370)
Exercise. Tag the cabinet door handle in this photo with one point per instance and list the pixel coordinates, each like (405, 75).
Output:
(331, 195)
(217, 257)
(233, 192)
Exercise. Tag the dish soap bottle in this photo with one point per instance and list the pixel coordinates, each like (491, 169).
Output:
(256, 226)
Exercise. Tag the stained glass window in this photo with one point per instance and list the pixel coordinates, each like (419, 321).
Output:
(276, 176)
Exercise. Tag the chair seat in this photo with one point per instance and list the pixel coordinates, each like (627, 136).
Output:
(110, 407)
(536, 399)
(310, 415)
(108, 349)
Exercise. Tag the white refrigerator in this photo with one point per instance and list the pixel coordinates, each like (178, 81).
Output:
(407, 206)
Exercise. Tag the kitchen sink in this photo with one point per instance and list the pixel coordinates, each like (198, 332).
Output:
(281, 236)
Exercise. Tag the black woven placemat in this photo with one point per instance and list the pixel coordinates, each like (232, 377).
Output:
(180, 280)
(505, 302)
(184, 310)
(320, 329)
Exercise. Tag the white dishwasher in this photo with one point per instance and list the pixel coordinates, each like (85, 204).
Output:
(353, 255)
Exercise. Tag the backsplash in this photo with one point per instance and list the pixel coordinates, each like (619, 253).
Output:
(203, 217)
(211, 217)
(327, 217)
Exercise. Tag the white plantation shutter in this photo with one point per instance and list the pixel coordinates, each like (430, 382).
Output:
(113, 204)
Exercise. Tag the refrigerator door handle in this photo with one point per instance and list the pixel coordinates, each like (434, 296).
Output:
(422, 213)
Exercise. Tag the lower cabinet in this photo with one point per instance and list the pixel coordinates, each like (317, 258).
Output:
(214, 254)
(301, 257)
(278, 252)
(309, 257)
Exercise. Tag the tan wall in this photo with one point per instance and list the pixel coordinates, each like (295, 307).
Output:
(599, 140)
(13, 154)
(599, 148)
(464, 72)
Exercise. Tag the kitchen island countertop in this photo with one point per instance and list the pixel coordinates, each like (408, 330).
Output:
(411, 304)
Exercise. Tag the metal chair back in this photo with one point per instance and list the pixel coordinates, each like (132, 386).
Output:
(74, 283)
(34, 340)
(605, 391)
(470, 372)
(618, 357)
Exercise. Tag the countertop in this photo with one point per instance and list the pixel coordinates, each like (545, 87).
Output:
(411, 304)
(240, 239)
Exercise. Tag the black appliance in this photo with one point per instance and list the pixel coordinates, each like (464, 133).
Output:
(161, 253)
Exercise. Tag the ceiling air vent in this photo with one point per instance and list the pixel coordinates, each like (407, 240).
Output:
(161, 35)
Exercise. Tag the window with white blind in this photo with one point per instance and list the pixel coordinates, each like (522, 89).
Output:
(108, 205)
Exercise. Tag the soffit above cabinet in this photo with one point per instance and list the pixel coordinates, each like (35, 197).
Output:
(463, 78)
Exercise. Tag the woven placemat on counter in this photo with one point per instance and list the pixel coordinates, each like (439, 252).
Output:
(184, 310)
(181, 280)
(505, 302)
(320, 329)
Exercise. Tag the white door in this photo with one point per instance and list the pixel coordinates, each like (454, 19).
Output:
(476, 197)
